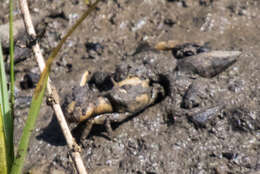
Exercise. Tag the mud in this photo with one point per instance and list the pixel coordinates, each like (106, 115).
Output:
(163, 138)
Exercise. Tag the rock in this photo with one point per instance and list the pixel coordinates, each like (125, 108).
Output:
(193, 96)
(208, 64)
(202, 118)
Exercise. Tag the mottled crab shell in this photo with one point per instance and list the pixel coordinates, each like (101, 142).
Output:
(121, 97)
(132, 81)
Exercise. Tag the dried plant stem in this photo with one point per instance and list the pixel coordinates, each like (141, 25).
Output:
(73, 146)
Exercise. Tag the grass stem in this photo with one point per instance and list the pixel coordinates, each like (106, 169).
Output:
(11, 52)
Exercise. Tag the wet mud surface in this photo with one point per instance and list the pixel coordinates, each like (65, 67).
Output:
(205, 124)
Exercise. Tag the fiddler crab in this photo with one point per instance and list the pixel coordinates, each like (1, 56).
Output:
(127, 98)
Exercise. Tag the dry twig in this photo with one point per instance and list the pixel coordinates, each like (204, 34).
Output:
(73, 146)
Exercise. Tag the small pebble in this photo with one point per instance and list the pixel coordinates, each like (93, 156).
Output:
(202, 118)
(193, 96)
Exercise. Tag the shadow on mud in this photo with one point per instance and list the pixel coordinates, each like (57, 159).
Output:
(52, 133)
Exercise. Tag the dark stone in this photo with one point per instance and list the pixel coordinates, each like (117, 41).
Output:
(208, 64)
(202, 118)
(193, 96)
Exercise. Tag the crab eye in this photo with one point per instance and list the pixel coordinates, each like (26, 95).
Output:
(127, 87)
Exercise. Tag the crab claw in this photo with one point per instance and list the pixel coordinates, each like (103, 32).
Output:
(77, 114)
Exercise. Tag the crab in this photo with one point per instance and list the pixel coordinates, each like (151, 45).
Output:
(127, 98)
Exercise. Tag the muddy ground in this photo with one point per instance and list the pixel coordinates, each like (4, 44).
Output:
(162, 138)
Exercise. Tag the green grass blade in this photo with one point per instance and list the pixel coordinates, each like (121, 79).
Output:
(38, 96)
(3, 154)
(11, 52)
(7, 119)
(29, 126)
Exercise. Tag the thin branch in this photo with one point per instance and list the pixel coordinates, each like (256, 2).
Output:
(73, 146)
